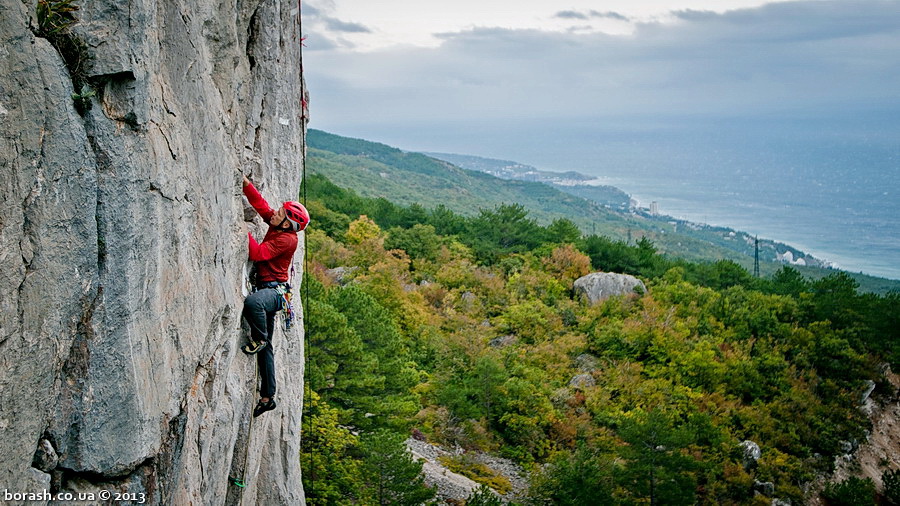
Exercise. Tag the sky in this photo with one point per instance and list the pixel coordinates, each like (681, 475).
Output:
(539, 82)
(409, 62)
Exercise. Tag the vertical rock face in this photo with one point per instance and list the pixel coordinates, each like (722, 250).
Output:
(122, 248)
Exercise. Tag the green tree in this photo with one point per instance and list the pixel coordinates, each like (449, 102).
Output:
(563, 230)
(419, 241)
(576, 479)
(835, 299)
(722, 274)
(617, 256)
(891, 481)
(393, 477)
(789, 281)
(648, 260)
(503, 230)
(851, 492)
(657, 469)
(331, 473)
(446, 222)
(489, 376)
(392, 374)
(483, 496)
(339, 368)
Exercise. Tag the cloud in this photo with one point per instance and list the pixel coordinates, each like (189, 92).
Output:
(610, 15)
(804, 57)
(343, 26)
(325, 32)
(571, 15)
(584, 16)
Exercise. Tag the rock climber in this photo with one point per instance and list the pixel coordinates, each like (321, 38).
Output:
(273, 257)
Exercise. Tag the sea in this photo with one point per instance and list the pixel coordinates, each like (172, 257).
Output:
(829, 188)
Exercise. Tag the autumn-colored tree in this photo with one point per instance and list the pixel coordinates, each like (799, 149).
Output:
(567, 263)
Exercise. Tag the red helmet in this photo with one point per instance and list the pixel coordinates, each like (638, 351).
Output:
(296, 214)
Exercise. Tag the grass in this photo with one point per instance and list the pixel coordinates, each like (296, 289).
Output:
(55, 19)
(467, 466)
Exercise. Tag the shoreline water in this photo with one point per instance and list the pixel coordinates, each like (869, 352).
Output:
(761, 221)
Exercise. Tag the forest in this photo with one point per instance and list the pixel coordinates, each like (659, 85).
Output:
(465, 331)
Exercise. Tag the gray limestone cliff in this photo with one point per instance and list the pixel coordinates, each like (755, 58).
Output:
(123, 247)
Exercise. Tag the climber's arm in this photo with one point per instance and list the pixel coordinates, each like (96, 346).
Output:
(269, 249)
(257, 201)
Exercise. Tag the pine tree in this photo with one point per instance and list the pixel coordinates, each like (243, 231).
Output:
(331, 475)
(657, 470)
(394, 478)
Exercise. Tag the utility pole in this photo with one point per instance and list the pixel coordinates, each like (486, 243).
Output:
(756, 257)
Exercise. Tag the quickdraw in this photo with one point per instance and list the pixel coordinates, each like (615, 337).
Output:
(287, 308)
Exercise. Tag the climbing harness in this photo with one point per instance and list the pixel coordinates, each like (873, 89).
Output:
(285, 291)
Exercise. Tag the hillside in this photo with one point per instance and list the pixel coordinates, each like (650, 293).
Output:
(571, 182)
(380, 171)
(470, 333)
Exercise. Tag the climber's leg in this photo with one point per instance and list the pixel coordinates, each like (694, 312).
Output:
(257, 307)
(265, 359)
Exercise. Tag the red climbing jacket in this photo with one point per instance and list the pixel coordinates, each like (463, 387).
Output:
(274, 254)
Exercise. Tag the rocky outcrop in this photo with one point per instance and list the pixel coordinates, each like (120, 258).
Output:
(880, 451)
(123, 245)
(599, 286)
(453, 488)
(447, 484)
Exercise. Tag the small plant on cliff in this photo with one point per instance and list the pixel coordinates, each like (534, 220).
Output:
(54, 23)
(55, 18)
(82, 100)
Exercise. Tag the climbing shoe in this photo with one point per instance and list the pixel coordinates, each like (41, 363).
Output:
(253, 347)
(262, 407)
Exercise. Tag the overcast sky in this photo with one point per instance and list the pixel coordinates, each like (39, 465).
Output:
(411, 62)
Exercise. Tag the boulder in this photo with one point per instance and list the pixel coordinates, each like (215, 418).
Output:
(340, 275)
(582, 381)
(599, 286)
(751, 453)
(502, 341)
(586, 362)
(766, 488)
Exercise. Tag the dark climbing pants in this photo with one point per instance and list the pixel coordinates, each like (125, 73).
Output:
(260, 308)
